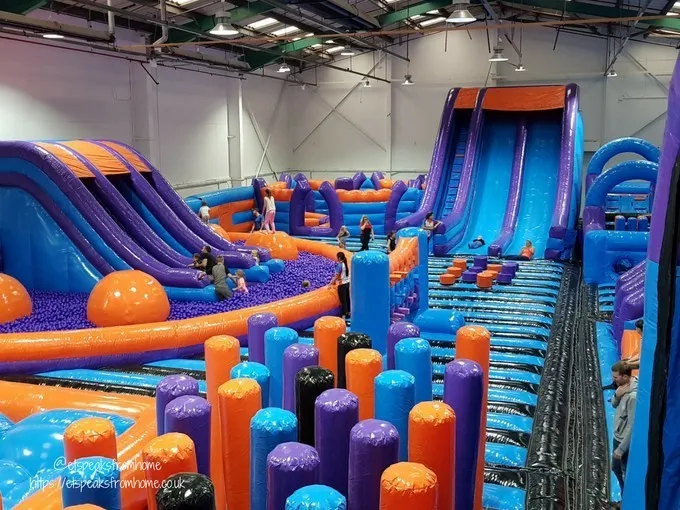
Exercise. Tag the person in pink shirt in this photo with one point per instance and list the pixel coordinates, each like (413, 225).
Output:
(240, 280)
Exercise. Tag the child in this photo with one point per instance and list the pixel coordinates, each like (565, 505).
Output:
(256, 256)
(196, 262)
(391, 242)
(343, 235)
(269, 211)
(241, 282)
(477, 243)
(527, 251)
(257, 221)
(204, 212)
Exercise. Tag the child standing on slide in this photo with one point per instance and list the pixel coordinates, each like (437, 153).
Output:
(269, 211)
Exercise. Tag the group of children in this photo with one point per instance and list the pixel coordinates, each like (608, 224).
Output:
(261, 221)
(213, 268)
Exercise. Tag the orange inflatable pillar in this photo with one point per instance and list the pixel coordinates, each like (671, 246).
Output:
(447, 279)
(222, 353)
(90, 437)
(484, 280)
(326, 333)
(362, 366)
(239, 400)
(408, 486)
(431, 442)
(165, 456)
(474, 343)
(461, 263)
(494, 267)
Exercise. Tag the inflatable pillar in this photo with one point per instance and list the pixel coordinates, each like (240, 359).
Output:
(395, 396)
(167, 390)
(190, 415)
(259, 373)
(93, 480)
(186, 490)
(370, 296)
(290, 466)
(258, 324)
(310, 382)
(423, 254)
(316, 497)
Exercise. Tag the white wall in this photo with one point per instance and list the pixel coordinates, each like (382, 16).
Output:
(180, 123)
(404, 120)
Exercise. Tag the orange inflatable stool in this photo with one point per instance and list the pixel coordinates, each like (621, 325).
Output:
(493, 274)
(485, 280)
(455, 271)
(447, 279)
(461, 263)
(494, 267)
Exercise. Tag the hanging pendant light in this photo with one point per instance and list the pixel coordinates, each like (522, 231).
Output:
(283, 68)
(223, 27)
(520, 69)
(612, 73)
(498, 55)
(461, 14)
(367, 84)
(407, 80)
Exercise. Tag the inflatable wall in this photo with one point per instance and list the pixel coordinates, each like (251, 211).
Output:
(230, 208)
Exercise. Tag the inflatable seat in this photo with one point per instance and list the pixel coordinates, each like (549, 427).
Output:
(455, 271)
(447, 279)
(461, 263)
(469, 277)
(485, 280)
(504, 278)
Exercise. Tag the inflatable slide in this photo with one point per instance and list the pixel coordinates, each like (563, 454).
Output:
(95, 207)
(503, 169)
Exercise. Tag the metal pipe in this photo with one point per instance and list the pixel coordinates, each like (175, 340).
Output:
(641, 11)
(494, 16)
(164, 20)
(111, 19)
(18, 20)
(228, 62)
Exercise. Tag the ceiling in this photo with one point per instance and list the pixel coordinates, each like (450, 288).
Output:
(308, 33)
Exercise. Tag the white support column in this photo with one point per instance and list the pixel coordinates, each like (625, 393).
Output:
(145, 122)
(235, 129)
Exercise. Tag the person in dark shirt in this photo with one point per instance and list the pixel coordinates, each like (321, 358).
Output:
(207, 260)
(391, 242)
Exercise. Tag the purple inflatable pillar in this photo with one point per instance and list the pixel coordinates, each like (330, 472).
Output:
(258, 325)
(190, 415)
(336, 413)
(481, 261)
(463, 391)
(167, 390)
(290, 466)
(373, 447)
(295, 358)
(399, 331)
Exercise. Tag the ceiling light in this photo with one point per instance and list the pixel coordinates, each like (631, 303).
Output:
(222, 26)
(283, 68)
(53, 36)
(432, 21)
(367, 84)
(309, 35)
(285, 31)
(335, 49)
(347, 52)
(262, 23)
(408, 80)
(520, 69)
(461, 14)
(611, 73)
(416, 17)
(671, 13)
(498, 55)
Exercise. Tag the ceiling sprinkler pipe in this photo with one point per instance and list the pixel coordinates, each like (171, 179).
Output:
(111, 19)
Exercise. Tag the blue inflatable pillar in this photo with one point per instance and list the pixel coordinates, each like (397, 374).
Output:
(92, 480)
(370, 296)
(423, 254)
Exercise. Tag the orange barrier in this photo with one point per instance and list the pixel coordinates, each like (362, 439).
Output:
(326, 333)
(167, 455)
(466, 98)
(128, 155)
(362, 366)
(239, 400)
(364, 195)
(631, 342)
(323, 249)
(17, 401)
(279, 194)
(404, 258)
(432, 442)
(408, 486)
(518, 99)
(90, 437)
(219, 231)
(474, 343)
(277, 185)
(222, 353)
(315, 184)
(225, 213)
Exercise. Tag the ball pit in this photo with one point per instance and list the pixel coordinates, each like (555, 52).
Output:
(127, 297)
(54, 311)
(15, 301)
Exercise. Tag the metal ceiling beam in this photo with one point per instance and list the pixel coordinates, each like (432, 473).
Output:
(413, 10)
(257, 59)
(249, 10)
(641, 11)
(495, 17)
(19, 20)
(598, 10)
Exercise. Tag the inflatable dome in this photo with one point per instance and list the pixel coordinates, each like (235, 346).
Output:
(127, 297)
(15, 302)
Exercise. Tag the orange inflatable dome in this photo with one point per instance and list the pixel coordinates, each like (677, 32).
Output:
(15, 302)
(127, 297)
(281, 245)
(219, 231)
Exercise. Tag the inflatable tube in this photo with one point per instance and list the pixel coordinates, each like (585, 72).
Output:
(594, 214)
(358, 179)
(615, 147)
(398, 192)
